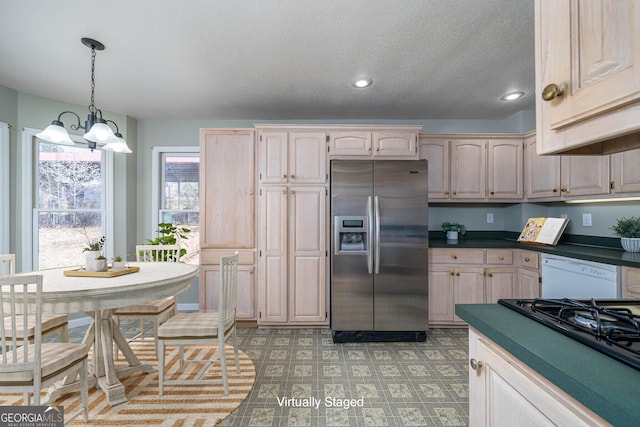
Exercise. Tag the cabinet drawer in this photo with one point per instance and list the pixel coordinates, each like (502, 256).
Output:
(500, 256)
(456, 256)
(212, 256)
(529, 259)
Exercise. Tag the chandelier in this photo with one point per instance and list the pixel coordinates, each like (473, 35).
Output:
(97, 129)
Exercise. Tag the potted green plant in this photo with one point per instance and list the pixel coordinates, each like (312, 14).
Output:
(118, 263)
(628, 229)
(453, 229)
(92, 251)
(170, 235)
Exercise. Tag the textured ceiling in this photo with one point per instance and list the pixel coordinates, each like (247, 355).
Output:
(275, 59)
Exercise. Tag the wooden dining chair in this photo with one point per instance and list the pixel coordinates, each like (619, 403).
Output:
(26, 367)
(205, 328)
(156, 311)
(51, 323)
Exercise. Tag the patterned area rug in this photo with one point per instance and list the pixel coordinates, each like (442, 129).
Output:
(181, 405)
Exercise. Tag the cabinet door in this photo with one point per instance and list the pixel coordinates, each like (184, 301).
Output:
(505, 169)
(503, 392)
(394, 144)
(500, 283)
(594, 53)
(307, 157)
(272, 153)
(468, 286)
(441, 305)
(542, 173)
(468, 169)
(227, 188)
(528, 284)
(307, 269)
(273, 254)
(246, 306)
(625, 173)
(352, 143)
(436, 152)
(584, 175)
(630, 282)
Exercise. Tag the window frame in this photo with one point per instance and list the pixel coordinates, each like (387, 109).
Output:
(157, 172)
(30, 212)
(5, 189)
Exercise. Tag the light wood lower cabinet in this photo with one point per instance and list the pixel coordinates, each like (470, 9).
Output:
(630, 282)
(503, 391)
(477, 276)
(246, 308)
(292, 255)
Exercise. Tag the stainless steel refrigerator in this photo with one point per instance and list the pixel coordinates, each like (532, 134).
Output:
(379, 243)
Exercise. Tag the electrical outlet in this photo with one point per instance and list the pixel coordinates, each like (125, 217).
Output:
(586, 219)
(489, 218)
(563, 215)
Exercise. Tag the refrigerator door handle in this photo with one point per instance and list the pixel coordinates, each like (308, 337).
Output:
(370, 233)
(377, 236)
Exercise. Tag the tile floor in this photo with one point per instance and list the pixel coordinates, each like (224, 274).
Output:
(304, 379)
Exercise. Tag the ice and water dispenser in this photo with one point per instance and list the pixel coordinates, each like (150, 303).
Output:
(350, 235)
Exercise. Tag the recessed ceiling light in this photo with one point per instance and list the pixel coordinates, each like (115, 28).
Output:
(362, 83)
(512, 96)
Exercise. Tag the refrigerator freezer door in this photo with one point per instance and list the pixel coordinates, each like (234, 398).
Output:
(351, 281)
(400, 285)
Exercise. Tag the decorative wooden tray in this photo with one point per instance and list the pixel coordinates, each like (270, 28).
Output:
(80, 272)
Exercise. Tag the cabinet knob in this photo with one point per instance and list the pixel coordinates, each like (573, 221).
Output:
(452, 274)
(251, 193)
(293, 177)
(284, 176)
(284, 191)
(378, 148)
(492, 193)
(552, 91)
(555, 190)
(527, 260)
(501, 258)
(457, 274)
(475, 364)
(454, 193)
(446, 193)
(489, 274)
(454, 256)
(369, 148)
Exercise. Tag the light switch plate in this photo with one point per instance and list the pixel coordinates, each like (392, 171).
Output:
(586, 219)
(489, 218)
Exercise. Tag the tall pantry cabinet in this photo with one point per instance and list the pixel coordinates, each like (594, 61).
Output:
(292, 213)
(227, 214)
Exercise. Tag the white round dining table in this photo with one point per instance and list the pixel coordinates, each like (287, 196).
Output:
(99, 297)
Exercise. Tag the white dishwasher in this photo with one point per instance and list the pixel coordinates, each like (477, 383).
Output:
(572, 278)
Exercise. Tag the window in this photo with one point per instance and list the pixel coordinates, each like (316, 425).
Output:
(69, 201)
(176, 191)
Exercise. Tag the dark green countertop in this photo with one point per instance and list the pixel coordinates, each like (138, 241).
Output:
(609, 388)
(588, 252)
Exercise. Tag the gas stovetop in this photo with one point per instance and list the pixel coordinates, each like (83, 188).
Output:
(609, 326)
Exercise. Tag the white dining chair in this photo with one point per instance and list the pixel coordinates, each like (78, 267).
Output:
(156, 311)
(26, 367)
(51, 323)
(204, 328)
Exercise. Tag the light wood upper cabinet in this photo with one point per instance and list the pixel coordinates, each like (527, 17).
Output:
(436, 152)
(589, 49)
(394, 144)
(564, 176)
(227, 188)
(506, 164)
(468, 169)
(292, 157)
(625, 172)
(374, 142)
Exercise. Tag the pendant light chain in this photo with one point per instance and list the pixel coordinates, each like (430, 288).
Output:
(92, 107)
